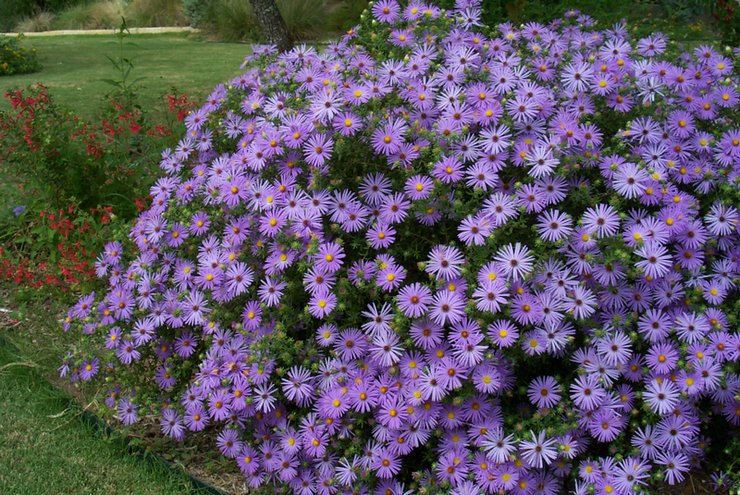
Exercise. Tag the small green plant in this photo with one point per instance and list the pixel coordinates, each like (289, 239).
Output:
(123, 65)
(15, 58)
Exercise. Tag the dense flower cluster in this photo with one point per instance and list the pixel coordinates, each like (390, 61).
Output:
(437, 257)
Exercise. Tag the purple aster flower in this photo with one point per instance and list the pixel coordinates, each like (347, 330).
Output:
(391, 277)
(318, 149)
(171, 424)
(540, 450)
(676, 465)
(414, 300)
(418, 187)
(329, 257)
(196, 418)
(298, 387)
(491, 295)
(89, 369)
(656, 260)
(219, 405)
(445, 262)
(554, 225)
(515, 260)
(229, 444)
(127, 352)
(271, 291)
(186, 344)
(385, 464)
(544, 391)
(388, 138)
(661, 396)
(127, 411)
(381, 235)
(603, 220)
(586, 392)
(448, 170)
(447, 307)
(395, 208)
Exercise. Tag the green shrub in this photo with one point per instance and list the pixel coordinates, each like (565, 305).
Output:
(156, 13)
(196, 11)
(233, 20)
(308, 18)
(14, 11)
(36, 23)
(16, 59)
(98, 15)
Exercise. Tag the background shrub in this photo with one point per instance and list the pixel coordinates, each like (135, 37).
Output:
(15, 58)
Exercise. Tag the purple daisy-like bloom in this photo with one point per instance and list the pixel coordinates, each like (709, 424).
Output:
(127, 352)
(444, 262)
(603, 220)
(171, 424)
(388, 139)
(318, 149)
(539, 451)
(229, 444)
(381, 235)
(89, 369)
(196, 419)
(587, 393)
(297, 386)
(447, 307)
(219, 405)
(656, 260)
(515, 260)
(490, 296)
(385, 464)
(387, 11)
(329, 257)
(127, 411)
(448, 170)
(676, 465)
(544, 391)
(503, 333)
(414, 300)
(554, 225)
(661, 396)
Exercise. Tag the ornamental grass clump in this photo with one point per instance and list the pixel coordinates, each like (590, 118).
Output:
(441, 258)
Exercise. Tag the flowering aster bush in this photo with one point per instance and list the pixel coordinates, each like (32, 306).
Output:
(440, 258)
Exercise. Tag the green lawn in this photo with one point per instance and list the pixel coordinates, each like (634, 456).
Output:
(48, 449)
(74, 66)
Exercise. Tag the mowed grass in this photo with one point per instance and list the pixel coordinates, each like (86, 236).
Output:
(74, 67)
(46, 448)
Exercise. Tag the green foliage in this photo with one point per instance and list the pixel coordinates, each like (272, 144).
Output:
(15, 58)
(196, 11)
(234, 19)
(156, 13)
(727, 16)
(13, 11)
(71, 161)
(97, 15)
(231, 20)
(123, 65)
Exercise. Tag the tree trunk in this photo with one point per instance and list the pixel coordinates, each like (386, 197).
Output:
(272, 23)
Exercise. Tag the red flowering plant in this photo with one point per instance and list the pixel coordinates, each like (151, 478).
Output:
(73, 176)
(53, 249)
(444, 258)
